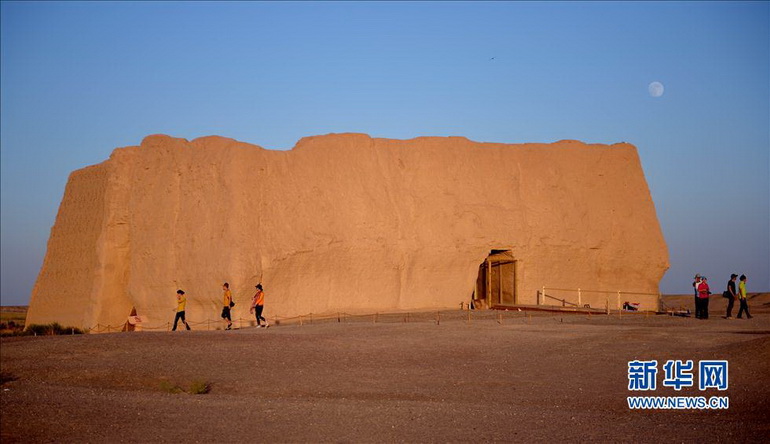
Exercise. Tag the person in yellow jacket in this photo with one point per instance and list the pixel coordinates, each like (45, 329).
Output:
(181, 304)
(258, 304)
(227, 299)
(742, 296)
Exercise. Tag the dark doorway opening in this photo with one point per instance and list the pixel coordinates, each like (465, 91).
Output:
(496, 281)
(129, 325)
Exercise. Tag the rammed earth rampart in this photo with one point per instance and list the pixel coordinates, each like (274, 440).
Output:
(343, 222)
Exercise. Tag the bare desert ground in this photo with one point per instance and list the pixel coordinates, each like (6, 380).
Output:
(523, 377)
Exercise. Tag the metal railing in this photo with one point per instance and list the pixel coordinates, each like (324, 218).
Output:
(542, 295)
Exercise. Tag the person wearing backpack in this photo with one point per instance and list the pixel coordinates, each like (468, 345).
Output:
(730, 295)
(258, 304)
(227, 304)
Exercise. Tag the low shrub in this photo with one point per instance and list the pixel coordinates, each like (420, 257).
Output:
(170, 387)
(200, 388)
(196, 387)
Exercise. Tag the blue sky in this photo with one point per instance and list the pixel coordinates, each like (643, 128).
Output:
(82, 78)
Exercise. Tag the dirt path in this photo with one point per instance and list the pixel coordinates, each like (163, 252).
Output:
(548, 377)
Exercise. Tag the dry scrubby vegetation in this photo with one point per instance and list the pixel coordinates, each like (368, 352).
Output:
(12, 320)
(13, 329)
(12, 323)
(51, 330)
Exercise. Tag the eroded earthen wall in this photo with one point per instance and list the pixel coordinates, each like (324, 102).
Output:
(344, 223)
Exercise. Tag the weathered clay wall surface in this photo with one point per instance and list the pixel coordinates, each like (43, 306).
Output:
(342, 223)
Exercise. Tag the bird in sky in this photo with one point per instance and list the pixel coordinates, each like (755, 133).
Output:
(491, 59)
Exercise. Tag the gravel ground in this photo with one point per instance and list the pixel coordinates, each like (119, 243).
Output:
(541, 377)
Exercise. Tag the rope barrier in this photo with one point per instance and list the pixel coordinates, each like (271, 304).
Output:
(467, 316)
(406, 317)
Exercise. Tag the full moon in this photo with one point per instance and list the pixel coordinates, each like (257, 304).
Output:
(656, 89)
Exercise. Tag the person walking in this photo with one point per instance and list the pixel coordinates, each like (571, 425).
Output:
(695, 283)
(227, 303)
(258, 304)
(731, 295)
(742, 295)
(703, 299)
(181, 304)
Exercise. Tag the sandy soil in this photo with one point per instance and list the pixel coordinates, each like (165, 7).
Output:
(544, 377)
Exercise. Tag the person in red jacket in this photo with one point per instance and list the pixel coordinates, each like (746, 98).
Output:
(702, 310)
